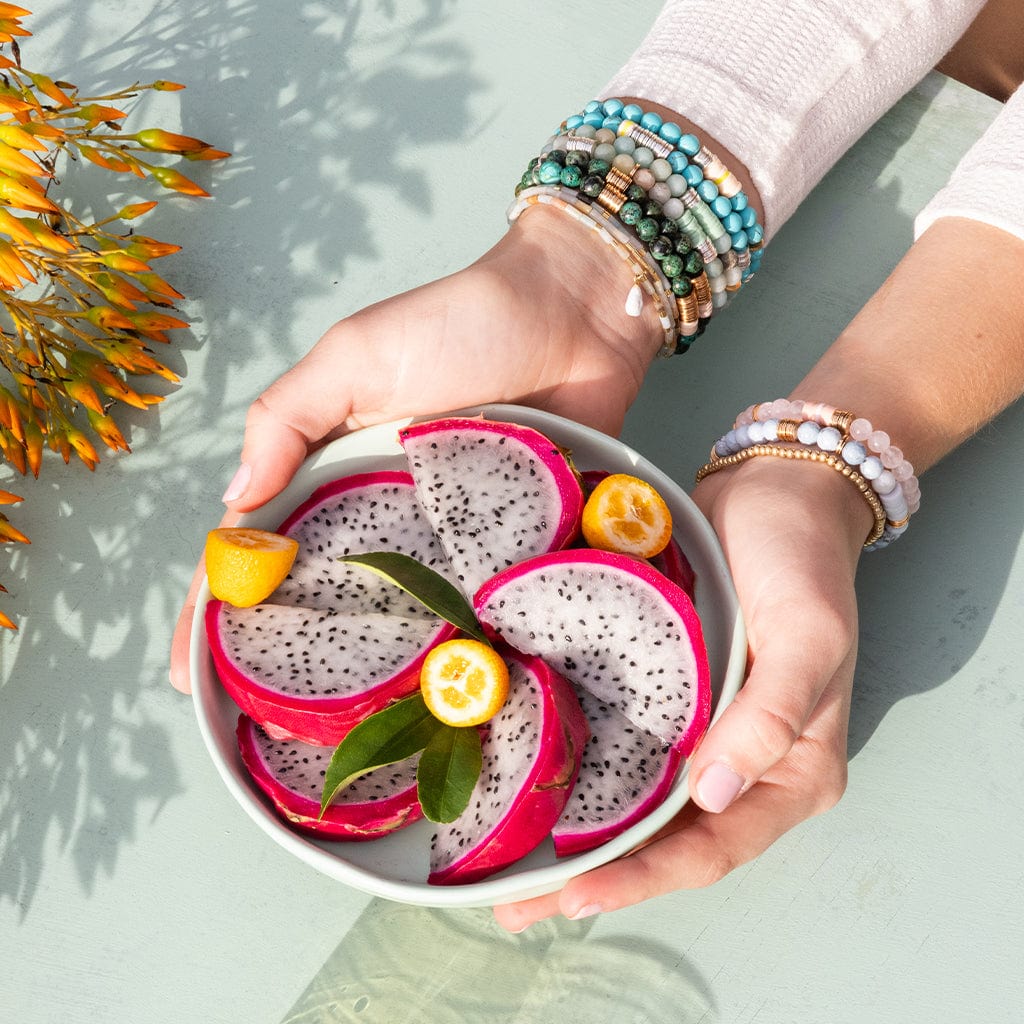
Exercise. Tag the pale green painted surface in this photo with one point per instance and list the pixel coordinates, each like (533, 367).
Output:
(376, 146)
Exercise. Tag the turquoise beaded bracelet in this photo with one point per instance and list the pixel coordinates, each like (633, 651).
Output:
(649, 138)
(683, 205)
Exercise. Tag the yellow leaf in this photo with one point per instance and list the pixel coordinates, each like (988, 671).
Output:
(106, 161)
(124, 263)
(23, 197)
(108, 431)
(79, 391)
(172, 179)
(51, 90)
(134, 210)
(150, 248)
(160, 141)
(15, 161)
(18, 138)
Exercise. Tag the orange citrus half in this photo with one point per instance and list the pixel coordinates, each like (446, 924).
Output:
(463, 682)
(627, 515)
(245, 566)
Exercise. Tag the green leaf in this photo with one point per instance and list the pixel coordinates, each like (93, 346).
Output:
(448, 770)
(428, 587)
(399, 731)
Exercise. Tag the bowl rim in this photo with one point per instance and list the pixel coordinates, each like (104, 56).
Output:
(367, 446)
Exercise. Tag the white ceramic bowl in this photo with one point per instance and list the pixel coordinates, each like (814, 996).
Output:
(396, 867)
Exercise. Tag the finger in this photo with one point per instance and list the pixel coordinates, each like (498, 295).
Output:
(285, 422)
(182, 639)
(699, 850)
(770, 712)
(315, 400)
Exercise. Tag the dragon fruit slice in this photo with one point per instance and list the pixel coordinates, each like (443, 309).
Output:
(291, 773)
(531, 756)
(625, 774)
(612, 625)
(353, 515)
(495, 493)
(673, 563)
(314, 674)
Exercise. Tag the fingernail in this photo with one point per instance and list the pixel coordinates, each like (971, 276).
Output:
(588, 911)
(718, 786)
(239, 482)
(518, 931)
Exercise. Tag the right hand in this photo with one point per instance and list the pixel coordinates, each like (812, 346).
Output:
(538, 320)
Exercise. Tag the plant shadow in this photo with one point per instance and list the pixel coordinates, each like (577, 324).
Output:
(325, 109)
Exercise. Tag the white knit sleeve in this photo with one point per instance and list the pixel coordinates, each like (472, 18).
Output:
(789, 85)
(988, 183)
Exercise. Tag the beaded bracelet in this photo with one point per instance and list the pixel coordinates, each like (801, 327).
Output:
(683, 204)
(875, 537)
(645, 278)
(606, 189)
(818, 427)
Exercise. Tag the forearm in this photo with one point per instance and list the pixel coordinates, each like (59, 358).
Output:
(939, 349)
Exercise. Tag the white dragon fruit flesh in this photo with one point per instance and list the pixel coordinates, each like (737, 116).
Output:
(315, 674)
(353, 515)
(291, 773)
(334, 642)
(495, 493)
(625, 773)
(531, 756)
(612, 625)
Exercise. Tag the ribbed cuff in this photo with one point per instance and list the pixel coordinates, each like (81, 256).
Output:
(988, 183)
(788, 87)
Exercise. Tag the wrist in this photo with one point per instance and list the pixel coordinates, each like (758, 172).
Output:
(591, 278)
(810, 498)
(738, 168)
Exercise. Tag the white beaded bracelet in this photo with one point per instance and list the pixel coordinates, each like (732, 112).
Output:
(819, 427)
(646, 277)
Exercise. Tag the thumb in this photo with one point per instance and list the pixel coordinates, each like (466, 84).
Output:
(302, 409)
(758, 729)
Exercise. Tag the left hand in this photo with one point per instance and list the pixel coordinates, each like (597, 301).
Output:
(792, 534)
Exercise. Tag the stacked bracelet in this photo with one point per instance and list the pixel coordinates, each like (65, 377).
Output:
(645, 278)
(683, 207)
(867, 454)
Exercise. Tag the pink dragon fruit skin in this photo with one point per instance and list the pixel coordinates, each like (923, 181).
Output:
(625, 773)
(495, 492)
(291, 774)
(531, 752)
(276, 660)
(612, 625)
(313, 675)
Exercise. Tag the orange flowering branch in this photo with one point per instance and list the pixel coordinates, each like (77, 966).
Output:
(77, 298)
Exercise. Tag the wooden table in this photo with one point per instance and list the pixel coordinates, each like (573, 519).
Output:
(375, 148)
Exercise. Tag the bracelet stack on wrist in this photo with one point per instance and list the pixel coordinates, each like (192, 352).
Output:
(822, 433)
(674, 200)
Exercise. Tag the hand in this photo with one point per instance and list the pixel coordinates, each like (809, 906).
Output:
(539, 320)
(792, 534)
